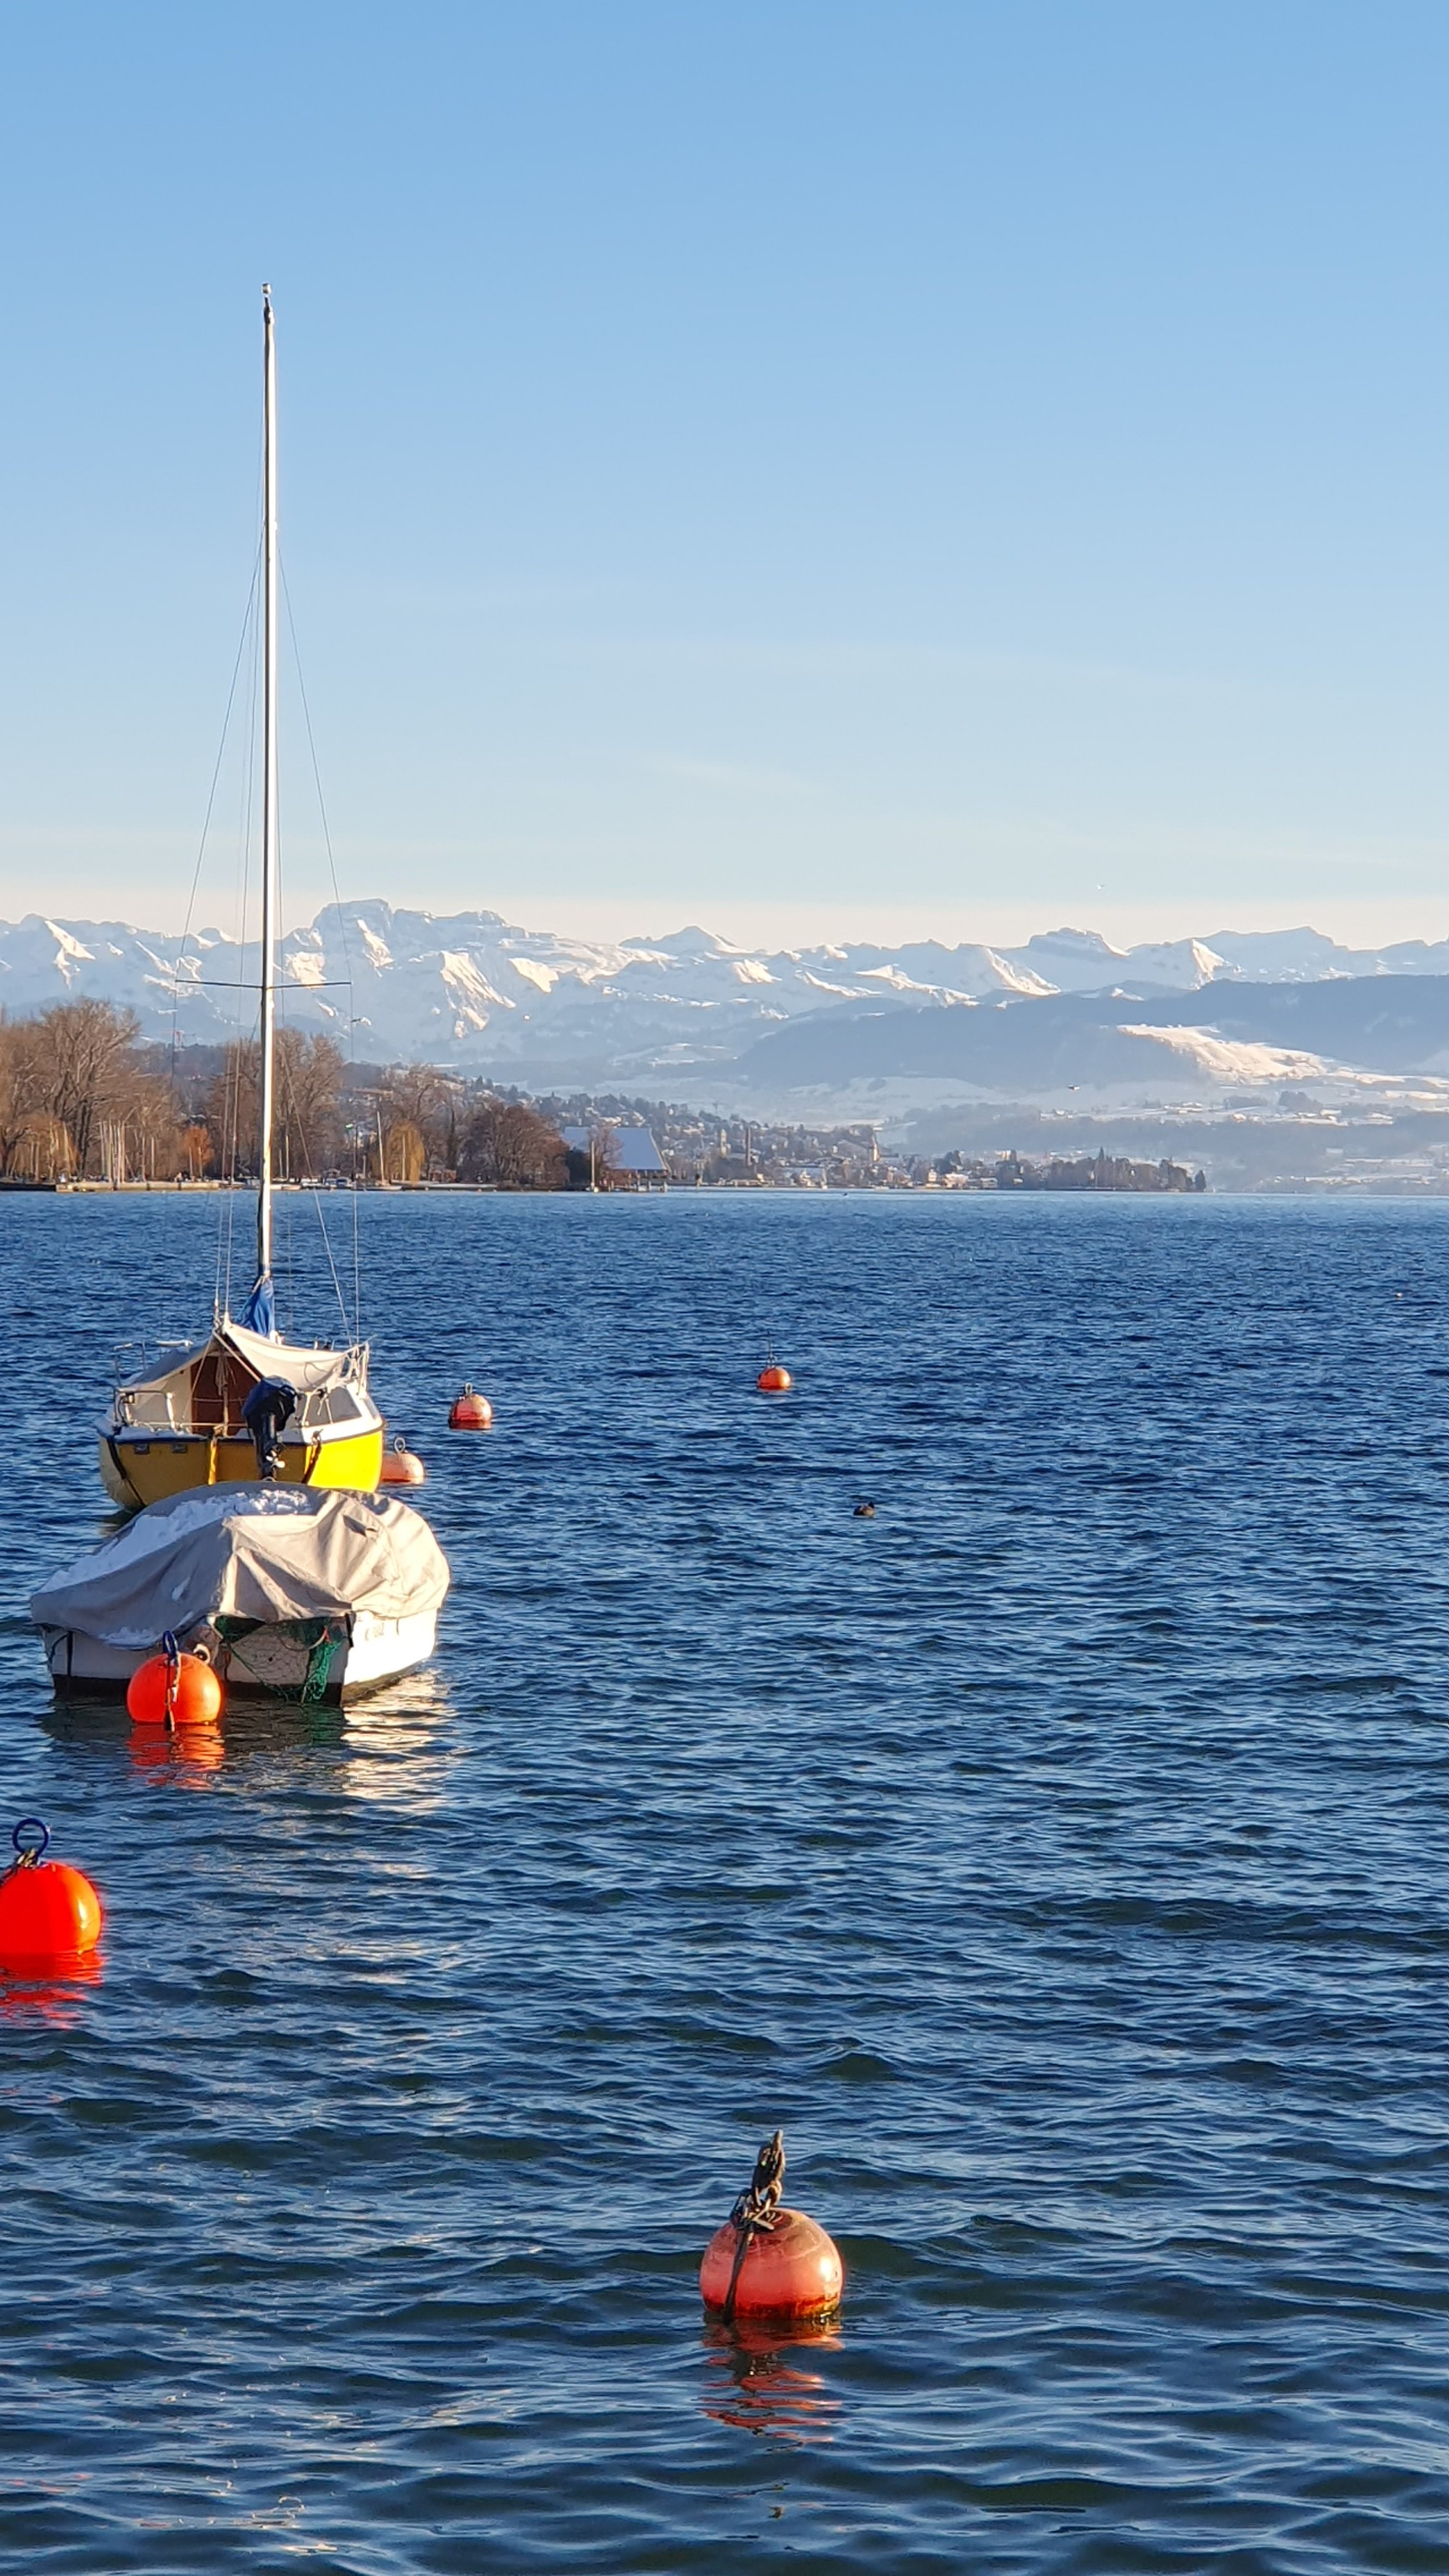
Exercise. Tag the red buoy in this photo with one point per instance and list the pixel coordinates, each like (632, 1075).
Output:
(401, 1466)
(173, 1689)
(470, 1412)
(47, 1909)
(767, 2261)
(774, 1380)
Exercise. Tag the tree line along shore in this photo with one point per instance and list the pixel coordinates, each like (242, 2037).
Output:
(84, 1102)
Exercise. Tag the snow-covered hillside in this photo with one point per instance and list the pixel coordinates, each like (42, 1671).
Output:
(473, 990)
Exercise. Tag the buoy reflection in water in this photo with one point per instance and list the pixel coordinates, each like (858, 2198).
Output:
(49, 1990)
(752, 2383)
(189, 1750)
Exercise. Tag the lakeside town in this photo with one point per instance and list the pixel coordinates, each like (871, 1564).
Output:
(84, 1104)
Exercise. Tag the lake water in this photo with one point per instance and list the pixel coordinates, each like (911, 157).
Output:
(1062, 1857)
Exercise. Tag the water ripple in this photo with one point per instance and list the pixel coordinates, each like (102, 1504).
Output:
(1060, 1856)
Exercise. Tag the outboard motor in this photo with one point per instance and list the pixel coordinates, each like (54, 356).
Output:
(267, 1411)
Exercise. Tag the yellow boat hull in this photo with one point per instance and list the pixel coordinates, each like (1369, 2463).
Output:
(141, 1469)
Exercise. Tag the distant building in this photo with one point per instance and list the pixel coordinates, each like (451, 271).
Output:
(632, 1155)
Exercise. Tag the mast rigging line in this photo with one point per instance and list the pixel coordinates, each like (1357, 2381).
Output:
(238, 984)
(244, 876)
(345, 982)
(268, 570)
(269, 790)
(241, 646)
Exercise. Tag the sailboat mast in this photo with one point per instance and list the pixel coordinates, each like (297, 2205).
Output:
(269, 788)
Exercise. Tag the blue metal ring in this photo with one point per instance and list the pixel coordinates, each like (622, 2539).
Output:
(35, 1849)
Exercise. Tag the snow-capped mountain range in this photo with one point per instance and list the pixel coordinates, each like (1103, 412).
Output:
(851, 1029)
(473, 990)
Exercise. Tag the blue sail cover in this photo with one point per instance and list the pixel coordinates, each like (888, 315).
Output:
(259, 1314)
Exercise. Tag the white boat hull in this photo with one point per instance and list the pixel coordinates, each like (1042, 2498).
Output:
(289, 1661)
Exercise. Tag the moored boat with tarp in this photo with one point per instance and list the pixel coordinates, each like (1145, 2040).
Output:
(289, 1593)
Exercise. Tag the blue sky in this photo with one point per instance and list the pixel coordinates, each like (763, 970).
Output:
(807, 468)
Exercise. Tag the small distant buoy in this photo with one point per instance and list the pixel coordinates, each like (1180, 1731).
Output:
(865, 1511)
(774, 1380)
(402, 1466)
(47, 1909)
(767, 2261)
(470, 1412)
(172, 1689)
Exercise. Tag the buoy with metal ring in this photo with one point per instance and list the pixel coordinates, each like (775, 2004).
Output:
(172, 1689)
(402, 1466)
(767, 2261)
(47, 1909)
(470, 1411)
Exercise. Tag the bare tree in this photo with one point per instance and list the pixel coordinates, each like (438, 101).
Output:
(595, 1166)
(71, 1064)
(196, 1150)
(39, 1149)
(404, 1152)
(12, 1114)
(606, 1170)
(306, 1128)
(424, 1098)
(513, 1147)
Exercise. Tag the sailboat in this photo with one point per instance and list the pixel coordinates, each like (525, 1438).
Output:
(242, 1403)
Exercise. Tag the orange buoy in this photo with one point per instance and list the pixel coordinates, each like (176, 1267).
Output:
(470, 1412)
(172, 1689)
(774, 1380)
(47, 1909)
(767, 2261)
(401, 1466)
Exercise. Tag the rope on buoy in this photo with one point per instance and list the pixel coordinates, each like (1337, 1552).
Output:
(47, 1909)
(172, 1652)
(754, 2212)
(766, 2260)
(470, 1411)
(27, 1854)
(174, 1690)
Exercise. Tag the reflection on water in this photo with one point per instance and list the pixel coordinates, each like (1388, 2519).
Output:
(399, 1723)
(1060, 1856)
(751, 2383)
(187, 1751)
(103, 1726)
(397, 1737)
(49, 1990)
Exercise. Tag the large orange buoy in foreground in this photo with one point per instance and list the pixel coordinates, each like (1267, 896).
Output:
(774, 1380)
(470, 1412)
(402, 1466)
(173, 1689)
(47, 1909)
(767, 2261)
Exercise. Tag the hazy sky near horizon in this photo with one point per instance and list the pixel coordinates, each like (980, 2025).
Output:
(810, 468)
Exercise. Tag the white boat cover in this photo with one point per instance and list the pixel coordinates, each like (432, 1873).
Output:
(303, 1368)
(248, 1552)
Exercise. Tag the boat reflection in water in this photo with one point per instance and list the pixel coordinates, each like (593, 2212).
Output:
(754, 2385)
(396, 1729)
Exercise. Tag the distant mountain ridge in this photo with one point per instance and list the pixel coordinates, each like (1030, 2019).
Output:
(473, 989)
(853, 1026)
